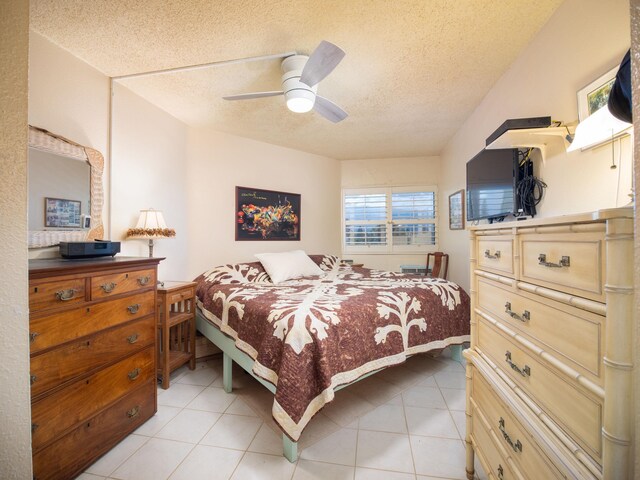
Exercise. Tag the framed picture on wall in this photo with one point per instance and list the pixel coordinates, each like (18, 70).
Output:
(62, 213)
(456, 210)
(267, 214)
(595, 95)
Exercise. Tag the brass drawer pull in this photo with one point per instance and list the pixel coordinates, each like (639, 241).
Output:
(525, 372)
(66, 295)
(133, 308)
(144, 280)
(525, 317)
(34, 427)
(487, 254)
(32, 336)
(132, 338)
(500, 472)
(133, 374)
(134, 412)
(33, 379)
(565, 261)
(108, 287)
(517, 447)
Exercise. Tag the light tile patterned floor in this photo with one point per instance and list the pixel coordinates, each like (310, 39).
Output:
(408, 424)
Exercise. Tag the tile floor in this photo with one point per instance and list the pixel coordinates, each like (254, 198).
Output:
(406, 424)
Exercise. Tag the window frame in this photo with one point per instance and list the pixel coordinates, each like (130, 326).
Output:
(389, 248)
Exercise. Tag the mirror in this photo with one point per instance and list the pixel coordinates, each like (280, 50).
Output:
(65, 190)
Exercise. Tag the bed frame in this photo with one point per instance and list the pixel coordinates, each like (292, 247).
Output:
(231, 353)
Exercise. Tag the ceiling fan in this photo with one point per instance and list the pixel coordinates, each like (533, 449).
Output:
(300, 80)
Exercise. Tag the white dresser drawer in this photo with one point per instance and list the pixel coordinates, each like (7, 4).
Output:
(572, 335)
(495, 254)
(567, 403)
(568, 263)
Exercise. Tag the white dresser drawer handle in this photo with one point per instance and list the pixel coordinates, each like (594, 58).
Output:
(487, 254)
(517, 447)
(565, 261)
(525, 372)
(525, 317)
(500, 472)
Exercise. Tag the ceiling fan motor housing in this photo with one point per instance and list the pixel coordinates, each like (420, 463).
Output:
(300, 97)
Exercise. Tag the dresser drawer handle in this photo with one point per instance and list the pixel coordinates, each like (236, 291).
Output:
(134, 412)
(525, 317)
(32, 336)
(133, 374)
(33, 379)
(66, 295)
(144, 280)
(133, 308)
(565, 261)
(487, 254)
(132, 338)
(108, 287)
(34, 427)
(500, 472)
(525, 372)
(517, 447)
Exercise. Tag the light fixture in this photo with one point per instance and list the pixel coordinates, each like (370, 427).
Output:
(597, 128)
(300, 101)
(151, 225)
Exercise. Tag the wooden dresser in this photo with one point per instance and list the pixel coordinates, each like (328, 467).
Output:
(92, 328)
(549, 372)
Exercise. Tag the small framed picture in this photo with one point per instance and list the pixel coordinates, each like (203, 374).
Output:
(595, 95)
(62, 213)
(456, 210)
(86, 221)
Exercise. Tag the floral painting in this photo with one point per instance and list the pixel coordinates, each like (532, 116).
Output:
(267, 215)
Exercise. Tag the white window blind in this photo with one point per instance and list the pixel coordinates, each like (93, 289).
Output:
(388, 220)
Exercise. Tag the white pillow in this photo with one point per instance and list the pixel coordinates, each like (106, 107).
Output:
(287, 265)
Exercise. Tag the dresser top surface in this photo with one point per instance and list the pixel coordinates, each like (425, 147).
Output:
(39, 267)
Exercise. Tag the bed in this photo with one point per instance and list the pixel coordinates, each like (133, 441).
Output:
(306, 338)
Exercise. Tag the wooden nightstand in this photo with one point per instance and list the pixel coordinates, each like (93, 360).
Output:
(176, 327)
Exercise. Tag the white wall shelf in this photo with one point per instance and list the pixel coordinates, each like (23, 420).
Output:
(531, 138)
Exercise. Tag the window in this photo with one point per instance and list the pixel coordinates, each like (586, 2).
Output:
(389, 220)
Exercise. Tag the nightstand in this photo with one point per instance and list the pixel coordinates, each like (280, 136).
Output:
(415, 269)
(176, 328)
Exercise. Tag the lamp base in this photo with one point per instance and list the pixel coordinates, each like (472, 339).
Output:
(151, 248)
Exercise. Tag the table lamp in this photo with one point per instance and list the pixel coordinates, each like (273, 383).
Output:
(151, 225)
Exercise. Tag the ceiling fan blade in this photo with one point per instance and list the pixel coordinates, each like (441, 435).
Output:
(329, 110)
(321, 63)
(248, 96)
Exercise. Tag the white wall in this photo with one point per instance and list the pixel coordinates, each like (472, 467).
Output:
(15, 411)
(582, 40)
(384, 172)
(149, 170)
(218, 162)
(69, 98)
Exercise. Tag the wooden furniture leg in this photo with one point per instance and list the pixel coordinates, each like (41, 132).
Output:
(166, 367)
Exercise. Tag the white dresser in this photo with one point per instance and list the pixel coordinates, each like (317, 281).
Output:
(549, 373)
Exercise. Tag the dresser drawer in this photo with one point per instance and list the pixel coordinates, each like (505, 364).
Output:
(62, 364)
(54, 294)
(570, 334)
(66, 408)
(71, 454)
(568, 404)
(62, 327)
(511, 434)
(495, 253)
(486, 444)
(117, 283)
(572, 264)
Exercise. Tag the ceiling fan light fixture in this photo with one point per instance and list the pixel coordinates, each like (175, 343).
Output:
(300, 101)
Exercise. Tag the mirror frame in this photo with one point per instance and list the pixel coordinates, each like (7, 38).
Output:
(42, 139)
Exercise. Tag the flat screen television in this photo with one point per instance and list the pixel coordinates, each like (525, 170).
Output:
(491, 184)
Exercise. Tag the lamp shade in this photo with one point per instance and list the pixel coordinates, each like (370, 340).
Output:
(597, 128)
(151, 224)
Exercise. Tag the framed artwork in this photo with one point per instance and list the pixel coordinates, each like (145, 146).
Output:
(62, 213)
(456, 210)
(267, 214)
(595, 95)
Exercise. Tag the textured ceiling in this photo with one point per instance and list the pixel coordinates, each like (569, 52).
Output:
(413, 72)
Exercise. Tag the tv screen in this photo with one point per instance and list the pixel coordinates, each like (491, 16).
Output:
(491, 182)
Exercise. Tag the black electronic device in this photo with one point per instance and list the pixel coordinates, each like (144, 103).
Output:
(519, 124)
(492, 176)
(98, 248)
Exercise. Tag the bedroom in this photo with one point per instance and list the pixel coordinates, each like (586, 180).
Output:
(69, 98)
